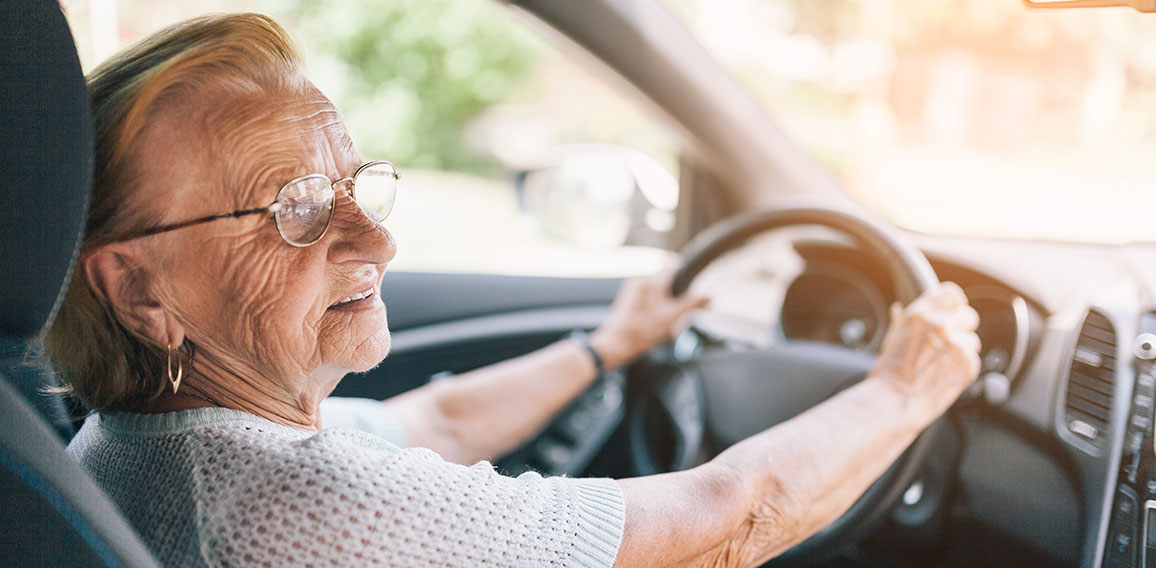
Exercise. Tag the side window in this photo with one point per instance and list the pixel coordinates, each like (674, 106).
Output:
(514, 159)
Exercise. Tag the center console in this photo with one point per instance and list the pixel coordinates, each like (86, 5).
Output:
(1132, 533)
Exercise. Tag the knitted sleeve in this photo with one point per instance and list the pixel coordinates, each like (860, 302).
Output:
(363, 414)
(344, 498)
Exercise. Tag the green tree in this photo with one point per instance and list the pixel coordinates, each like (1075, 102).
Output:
(410, 74)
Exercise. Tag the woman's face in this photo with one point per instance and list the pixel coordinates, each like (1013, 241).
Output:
(255, 307)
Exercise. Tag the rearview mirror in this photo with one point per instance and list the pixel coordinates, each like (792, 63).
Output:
(1139, 5)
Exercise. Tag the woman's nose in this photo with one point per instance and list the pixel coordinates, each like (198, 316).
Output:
(356, 237)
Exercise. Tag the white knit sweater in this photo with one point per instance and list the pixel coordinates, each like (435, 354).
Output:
(218, 487)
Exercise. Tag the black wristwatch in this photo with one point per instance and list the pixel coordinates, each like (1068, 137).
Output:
(580, 337)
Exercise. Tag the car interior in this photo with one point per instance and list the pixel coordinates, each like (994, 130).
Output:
(1049, 459)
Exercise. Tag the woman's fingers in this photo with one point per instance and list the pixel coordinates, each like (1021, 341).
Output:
(690, 301)
(969, 341)
(683, 306)
(932, 343)
(645, 313)
(694, 302)
(966, 317)
(946, 307)
(944, 297)
(951, 295)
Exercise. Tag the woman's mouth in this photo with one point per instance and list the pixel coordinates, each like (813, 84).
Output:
(360, 300)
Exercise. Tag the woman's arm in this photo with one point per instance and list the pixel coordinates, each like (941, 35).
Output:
(771, 491)
(492, 410)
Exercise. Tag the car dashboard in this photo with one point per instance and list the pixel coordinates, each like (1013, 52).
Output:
(1056, 448)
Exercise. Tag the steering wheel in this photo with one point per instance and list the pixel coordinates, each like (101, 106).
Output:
(729, 395)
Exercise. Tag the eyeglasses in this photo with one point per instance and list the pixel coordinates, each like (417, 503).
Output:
(303, 208)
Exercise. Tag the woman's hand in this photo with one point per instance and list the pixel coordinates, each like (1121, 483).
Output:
(643, 314)
(930, 352)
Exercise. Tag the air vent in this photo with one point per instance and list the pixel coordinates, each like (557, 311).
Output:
(1093, 376)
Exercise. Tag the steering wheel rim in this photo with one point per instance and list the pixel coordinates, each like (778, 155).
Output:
(899, 254)
(912, 274)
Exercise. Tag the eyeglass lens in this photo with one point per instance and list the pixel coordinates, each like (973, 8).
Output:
(307, 203)
(306, 206)
(375, 189)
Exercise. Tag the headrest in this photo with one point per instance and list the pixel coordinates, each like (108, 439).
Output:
(45, 162)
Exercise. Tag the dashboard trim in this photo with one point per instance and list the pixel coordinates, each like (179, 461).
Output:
(1098, 467)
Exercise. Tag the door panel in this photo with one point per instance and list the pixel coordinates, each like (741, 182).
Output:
(415, 299)
(458, 322)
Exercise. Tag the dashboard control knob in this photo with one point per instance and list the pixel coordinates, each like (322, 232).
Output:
(1145, 346)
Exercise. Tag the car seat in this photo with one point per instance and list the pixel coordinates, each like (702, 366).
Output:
(51, 512)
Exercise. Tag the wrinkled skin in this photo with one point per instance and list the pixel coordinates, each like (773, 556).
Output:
(931, 349)
(257, 310)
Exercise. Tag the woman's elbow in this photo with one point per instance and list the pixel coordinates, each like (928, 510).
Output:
(712, 515)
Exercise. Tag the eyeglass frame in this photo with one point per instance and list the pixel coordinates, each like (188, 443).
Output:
(274, 207)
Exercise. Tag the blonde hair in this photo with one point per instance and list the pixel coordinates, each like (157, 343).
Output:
(99, 359)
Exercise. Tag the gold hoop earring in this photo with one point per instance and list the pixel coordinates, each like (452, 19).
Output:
(180, 369)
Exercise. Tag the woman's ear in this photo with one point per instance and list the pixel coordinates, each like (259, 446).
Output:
(115, 273)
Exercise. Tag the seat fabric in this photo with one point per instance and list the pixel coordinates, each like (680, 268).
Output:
(51, 512)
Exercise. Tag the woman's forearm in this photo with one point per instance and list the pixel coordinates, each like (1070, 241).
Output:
(490, 411)
(769, 492)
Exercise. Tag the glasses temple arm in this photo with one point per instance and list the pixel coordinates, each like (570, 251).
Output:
(198, 221)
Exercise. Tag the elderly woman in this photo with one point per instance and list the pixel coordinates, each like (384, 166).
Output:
(230, 277)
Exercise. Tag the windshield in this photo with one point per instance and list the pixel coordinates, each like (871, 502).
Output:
(959, 117)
